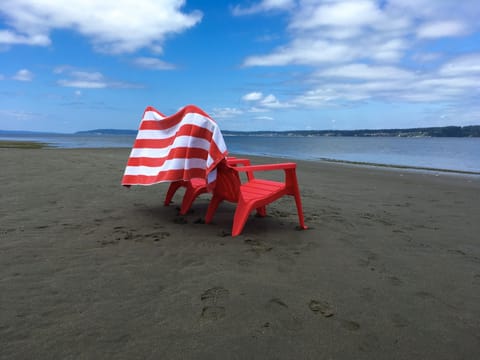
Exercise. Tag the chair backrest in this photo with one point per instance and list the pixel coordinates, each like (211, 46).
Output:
(227, 183)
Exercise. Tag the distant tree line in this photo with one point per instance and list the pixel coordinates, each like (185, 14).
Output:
(446, 131)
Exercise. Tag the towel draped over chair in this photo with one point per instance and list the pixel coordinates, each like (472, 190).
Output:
(183, 146)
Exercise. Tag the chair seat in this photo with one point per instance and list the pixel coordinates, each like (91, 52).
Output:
(258, 189)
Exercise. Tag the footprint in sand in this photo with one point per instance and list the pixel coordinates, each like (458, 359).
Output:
(214, 299)
(456, 252)
(274, 302)
(327, 310)
(158, 235)
(121, 233)
(321, 307)
(213, 312)
(128, 235)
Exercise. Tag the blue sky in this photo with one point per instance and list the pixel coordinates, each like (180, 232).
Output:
(252, 65)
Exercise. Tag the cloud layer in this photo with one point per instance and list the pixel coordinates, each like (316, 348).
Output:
(82, 79)
(360, 50)
(112, 26)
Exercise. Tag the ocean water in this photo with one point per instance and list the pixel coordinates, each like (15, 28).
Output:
(455, 154)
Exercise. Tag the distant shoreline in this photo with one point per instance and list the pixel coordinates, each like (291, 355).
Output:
(14, 144)
(392, 166)
(443, 131)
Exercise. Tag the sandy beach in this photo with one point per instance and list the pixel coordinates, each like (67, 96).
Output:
(389, 269)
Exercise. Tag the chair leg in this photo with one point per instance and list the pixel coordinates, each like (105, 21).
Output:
(240, 218)
(262, 211)
(212, 207)
(171, 191)
(187, 201)
(190, 195)
(298, 202)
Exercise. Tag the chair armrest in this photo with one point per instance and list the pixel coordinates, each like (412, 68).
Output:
(234, 162)
(267, 167)
(238, 161)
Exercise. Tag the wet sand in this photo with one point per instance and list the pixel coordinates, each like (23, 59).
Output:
(389, 269)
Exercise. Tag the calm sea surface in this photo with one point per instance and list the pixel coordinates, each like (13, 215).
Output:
(458, 154)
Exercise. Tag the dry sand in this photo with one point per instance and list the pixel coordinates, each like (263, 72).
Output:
(390, 268)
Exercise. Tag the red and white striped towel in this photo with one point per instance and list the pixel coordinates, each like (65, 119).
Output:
(183, 146)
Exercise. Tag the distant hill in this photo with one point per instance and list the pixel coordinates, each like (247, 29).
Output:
(446, 131)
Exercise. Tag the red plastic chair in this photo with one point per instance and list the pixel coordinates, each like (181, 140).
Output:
(254, 193)
(195, 187)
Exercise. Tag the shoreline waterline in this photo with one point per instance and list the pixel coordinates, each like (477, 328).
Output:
(401, 167)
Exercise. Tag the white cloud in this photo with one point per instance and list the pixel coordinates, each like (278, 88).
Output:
(23, 75)
(225, 112)
(270, 101)
(333, 90)
(365, 72)
(152, 63)
(82, 84)
(256, 109)
(304, 51)
(314, 51)
(354, 52)
(342, 31)
(351, 13)
(263, 5)
(263, 103)
(88, 80)
(253, 96)
(467, 10)
(113, 26)
(464, 65)
(438, 29)
(267, 118)
(11, 38)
